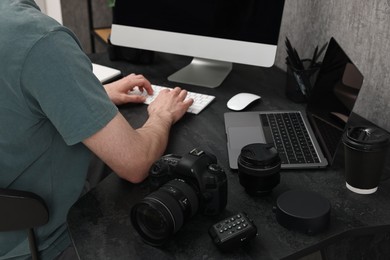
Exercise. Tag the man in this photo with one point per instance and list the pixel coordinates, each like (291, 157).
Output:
(54, 112)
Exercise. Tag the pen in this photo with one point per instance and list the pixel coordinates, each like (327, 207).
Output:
(314, 58)
(294, 58)
(298, 60)
(321, 50)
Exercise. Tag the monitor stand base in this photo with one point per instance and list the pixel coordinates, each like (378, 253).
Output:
(203, 72)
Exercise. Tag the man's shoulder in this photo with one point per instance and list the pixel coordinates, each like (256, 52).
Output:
(22, 24)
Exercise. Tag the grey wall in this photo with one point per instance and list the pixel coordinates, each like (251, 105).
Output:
(362, 28)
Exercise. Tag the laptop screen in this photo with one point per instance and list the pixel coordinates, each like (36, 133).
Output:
(333, 96)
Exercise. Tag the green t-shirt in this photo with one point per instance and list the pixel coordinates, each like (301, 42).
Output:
(49, 102)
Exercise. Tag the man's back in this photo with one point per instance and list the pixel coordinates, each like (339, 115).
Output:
(49, 103)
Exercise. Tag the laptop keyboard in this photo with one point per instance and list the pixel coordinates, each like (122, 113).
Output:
(290, 137)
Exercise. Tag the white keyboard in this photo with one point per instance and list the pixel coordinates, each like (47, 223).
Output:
(200, 100)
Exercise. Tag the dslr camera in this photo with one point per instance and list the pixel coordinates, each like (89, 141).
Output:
(180, 187)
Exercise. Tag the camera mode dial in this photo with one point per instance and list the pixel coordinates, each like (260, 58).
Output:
(215, 168)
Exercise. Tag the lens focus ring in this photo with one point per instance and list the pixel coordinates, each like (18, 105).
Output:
(163, 212)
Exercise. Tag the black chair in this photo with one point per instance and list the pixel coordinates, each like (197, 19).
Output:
(22, 210)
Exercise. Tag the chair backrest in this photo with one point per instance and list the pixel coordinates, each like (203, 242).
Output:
(22, 210)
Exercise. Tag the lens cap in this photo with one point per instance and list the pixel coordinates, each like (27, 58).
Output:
(303, 211)
(366, 138)
(259, 154)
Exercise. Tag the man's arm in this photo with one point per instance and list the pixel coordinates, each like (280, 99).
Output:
(130, 152)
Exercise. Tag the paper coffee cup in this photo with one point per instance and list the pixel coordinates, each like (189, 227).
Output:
(365, 151)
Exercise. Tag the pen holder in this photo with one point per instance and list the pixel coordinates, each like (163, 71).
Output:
(300, 81)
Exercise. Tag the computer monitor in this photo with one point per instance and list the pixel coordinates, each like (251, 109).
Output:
(216, 33)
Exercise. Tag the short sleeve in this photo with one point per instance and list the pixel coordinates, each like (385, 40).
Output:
(59, 85)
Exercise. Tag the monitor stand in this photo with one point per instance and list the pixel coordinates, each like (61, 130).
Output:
(203, 72)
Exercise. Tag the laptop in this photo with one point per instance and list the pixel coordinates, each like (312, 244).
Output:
(319, 128)
(105, 74)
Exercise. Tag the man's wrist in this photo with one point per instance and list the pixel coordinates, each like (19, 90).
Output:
(162, 119)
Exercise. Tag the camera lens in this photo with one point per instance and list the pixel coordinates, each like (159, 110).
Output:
(163, 212)
(258, 168)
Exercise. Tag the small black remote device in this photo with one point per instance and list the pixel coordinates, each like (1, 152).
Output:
(233, 231)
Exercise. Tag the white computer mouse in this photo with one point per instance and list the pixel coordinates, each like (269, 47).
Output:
(241, 100)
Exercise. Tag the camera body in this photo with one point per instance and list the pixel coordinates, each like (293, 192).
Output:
(198, 169)
(180, 187)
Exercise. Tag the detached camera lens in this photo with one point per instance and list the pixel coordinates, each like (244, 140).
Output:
(258, 168)
(163, 212)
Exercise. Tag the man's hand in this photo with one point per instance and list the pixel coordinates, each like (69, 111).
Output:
(170, 105)
(118, 90)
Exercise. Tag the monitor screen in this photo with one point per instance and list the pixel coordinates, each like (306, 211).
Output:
(216, 33)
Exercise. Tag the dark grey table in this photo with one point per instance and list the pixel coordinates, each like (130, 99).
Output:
(99, 222)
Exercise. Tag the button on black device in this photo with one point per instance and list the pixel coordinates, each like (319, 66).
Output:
(233, 231)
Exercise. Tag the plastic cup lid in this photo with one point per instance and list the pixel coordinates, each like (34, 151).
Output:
(366, 138)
